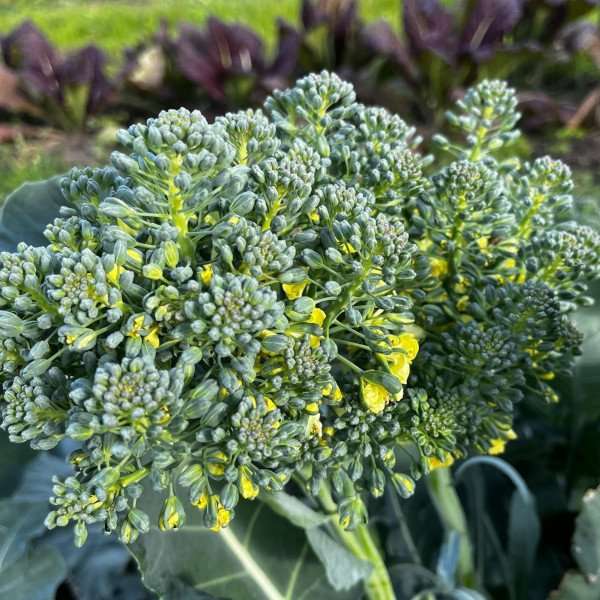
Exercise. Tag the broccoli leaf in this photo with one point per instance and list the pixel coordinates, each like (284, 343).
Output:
(28, 571)
(260, 555)
(586, 551)
(27, 211)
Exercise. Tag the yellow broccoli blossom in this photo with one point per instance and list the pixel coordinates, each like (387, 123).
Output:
(137, 330)
(406, 348)
(499, 444)
(332, 392)
(314, 427)
(172, 515)
(248, 489)
(217, 468)
(202, 502)
(317, 317)
(223, 518)
(294, 290)
(206, 274)
(435, 463)
(439, 267)
(483, 242)
(407, 342)
(114, 274)
(152, 337)
(375, 396)
(399, 366)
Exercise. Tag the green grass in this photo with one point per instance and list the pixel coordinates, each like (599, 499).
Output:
(21, 162)
(115, 24)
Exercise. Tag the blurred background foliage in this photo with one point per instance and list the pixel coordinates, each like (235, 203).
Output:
(72, 72)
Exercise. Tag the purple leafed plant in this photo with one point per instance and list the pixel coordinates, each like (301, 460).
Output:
(67, 90)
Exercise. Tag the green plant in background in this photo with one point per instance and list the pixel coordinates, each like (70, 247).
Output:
(292, 297)
(198, 58)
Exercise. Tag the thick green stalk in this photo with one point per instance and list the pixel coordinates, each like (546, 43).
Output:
(448, 506)
(363, 545)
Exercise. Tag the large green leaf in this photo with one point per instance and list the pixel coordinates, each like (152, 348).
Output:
(13, 460)
(260, 556)
(33, 576)
(586, 541)
(343, 569)
(27, 211)
(28, 570)
(575, 586)
(586, 551)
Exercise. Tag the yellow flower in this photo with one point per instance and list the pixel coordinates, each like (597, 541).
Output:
(314, 216)
(483, 242)
(499, 444)
(172, 515)
(248, 489)
(312, 408)
(462, 303)
(136, 327)
(294, 290)
(152, 337)
(206, 274)
(439, 267)
(114, 274)
(399, 366)
(317, 317)
(407, 342)
(223, 518)
(435, 463)
(399, 362)
(217, 468)
(314, 427)
(332, 392)
(424, 244)
(202, 502)
(329, 431)
(166, 415)
(406, 482)
(374, 396)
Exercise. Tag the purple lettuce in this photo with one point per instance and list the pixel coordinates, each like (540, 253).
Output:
(221, 52)
(68, 88)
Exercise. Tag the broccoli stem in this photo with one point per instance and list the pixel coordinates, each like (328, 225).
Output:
(362, 543)
(449, 508)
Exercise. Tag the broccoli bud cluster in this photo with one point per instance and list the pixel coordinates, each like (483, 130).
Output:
(288, 292)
